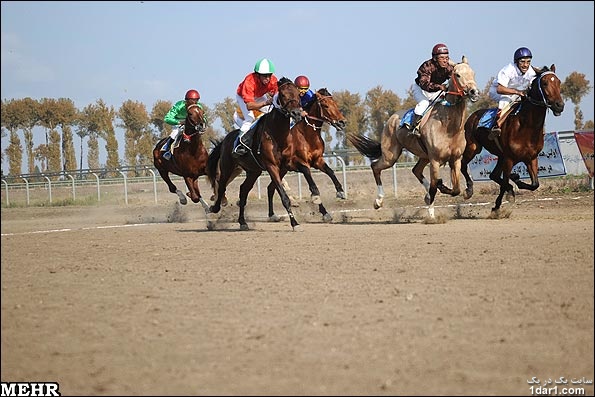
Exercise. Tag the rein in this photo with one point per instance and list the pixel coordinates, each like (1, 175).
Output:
(322, 119)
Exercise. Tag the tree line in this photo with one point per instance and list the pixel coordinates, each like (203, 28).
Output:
(96, 122)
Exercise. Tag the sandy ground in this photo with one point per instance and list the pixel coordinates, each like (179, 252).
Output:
(142, 299)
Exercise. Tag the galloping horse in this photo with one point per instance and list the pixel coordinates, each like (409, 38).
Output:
(190, 158)
(307, 148)
(442, 139)
(271, 138)
(521, 139)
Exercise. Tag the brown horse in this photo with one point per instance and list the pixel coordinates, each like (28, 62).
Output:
(442, 139)
(521, 139)
(189, 159)
(307, 149)
(271, 138)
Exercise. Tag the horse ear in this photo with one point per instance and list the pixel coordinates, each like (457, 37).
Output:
(553, 68)
(464, 59)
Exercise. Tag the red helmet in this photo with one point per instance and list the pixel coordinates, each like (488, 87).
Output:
(192, 94)
(302, 82)
(439, 49)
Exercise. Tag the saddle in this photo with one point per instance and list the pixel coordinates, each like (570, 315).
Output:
(488, 119)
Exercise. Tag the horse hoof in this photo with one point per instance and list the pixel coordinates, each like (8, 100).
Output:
(182, 197)
(244, 227)
(274, 218)
(316, 200)
(341, 195)
(298, 228)
(377, 204)
(468, 194)
(427, 199)
(327, 217)
(210, 225)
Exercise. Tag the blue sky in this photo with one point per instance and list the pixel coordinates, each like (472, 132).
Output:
(152, 50)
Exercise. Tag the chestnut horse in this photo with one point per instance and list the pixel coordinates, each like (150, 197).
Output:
(521, 139)
(271, 138)
(442, 139)
(189, 159)
(307, 149)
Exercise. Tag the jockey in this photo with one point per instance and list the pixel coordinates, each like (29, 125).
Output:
(176, 116)
(254, 97)
(306, 94)
(431, 82)
(510, 85)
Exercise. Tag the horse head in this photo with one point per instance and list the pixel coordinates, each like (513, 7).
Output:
(196, 121)
(327, 110)
(462, 81)
(545, 90)
(288, 99)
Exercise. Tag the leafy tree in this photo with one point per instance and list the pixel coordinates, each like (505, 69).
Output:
(14, 151)
(575, 87)
(67, 117)
(380, 105)
(224, 111)
(158, 113)
(136, 124)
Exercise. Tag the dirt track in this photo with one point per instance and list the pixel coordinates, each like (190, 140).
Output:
(374, 303)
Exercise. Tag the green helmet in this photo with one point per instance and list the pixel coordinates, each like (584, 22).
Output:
(264, 66)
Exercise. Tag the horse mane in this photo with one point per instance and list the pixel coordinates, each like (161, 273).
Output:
(282, 81)
(323, 91)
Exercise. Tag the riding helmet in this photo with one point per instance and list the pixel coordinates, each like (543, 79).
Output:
(192, 94)
(264, 66)
(302, 82)
(522, 52)
(439, 49)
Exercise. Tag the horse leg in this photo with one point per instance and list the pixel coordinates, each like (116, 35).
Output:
(418, 171)
(433, 189)
(504, 168)
(245, 188)
(270, 194)
(532, 168)
(172, 187)
(324, 167)
(377, 167)
(326, 217)
(468, 180)
(274, 173)
(193, 192)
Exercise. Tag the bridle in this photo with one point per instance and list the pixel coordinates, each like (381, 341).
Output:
(276, 105)
(540, 101)
(323, 118)
(198, 127)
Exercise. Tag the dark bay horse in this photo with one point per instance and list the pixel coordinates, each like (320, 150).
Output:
(306, 149)
(442, 139)
(271, 138)
(521, 139)
(189, 159)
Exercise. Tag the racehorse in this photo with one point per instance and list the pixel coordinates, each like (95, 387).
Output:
(271, 138)
(189, 159)
(441, 140)
(307, 148)
(521, 139)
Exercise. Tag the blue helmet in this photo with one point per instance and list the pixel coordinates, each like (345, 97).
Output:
(522, 52)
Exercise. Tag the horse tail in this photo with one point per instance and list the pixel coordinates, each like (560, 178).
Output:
(366, 146)
(213, 161)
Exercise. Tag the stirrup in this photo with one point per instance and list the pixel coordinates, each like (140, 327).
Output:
(167, 155)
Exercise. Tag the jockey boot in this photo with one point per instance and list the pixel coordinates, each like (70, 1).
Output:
(495, 131)
(243, 145)
(165, 148)
(415, 124)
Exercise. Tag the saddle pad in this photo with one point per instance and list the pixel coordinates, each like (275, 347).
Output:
(488, 119)
(407, 118)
